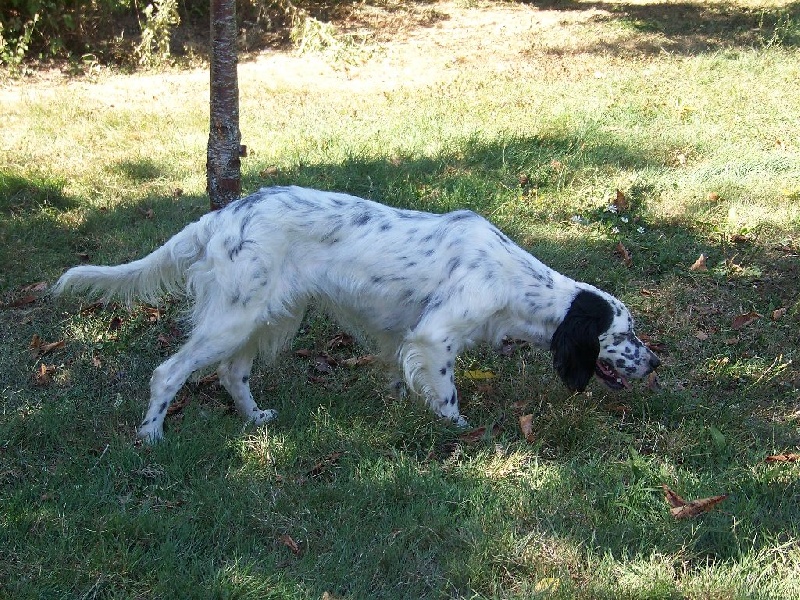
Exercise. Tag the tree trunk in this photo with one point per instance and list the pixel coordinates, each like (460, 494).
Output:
(223, 169)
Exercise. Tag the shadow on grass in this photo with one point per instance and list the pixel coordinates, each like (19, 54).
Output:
(690, 27)
(435, 522)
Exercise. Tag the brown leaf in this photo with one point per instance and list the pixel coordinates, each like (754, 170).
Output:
(473, 436)
(696, 507)
(731, 341)
(287, 541)
(359, 361)
(24, 301)
(179, 404)
(96, 362)
(622, 251)
(39, 286)
(211, 379)
(745, 319)
(39, 347)
(621, 202)
(324, 464)
(672, 498)
(115, 324)
(681, 509)
(147, 213)
(153, 314)
(738, 238)
(783, 458)
(42, 374)
(340, 340)
(699, 264)
(778, 313)
(526, 426)
(303, 353)
(652, 382)
(646, 292)
(324, 363)
(701, 335)
(164, 341)
(177, 193)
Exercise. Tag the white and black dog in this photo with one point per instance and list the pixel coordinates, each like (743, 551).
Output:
(420, 286)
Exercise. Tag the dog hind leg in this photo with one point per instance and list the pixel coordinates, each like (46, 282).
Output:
(206, 346)
(234, 374)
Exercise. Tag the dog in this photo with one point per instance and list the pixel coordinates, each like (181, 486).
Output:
(420, 286)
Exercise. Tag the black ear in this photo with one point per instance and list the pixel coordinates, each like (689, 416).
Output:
(575, 344)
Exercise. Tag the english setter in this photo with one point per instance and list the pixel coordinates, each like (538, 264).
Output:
(419, 286)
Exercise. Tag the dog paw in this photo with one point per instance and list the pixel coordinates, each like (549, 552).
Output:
(149, 434)
(264, 416)
(460, 422)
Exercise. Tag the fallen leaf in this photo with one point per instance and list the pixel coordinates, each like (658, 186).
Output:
(701, 335)
(526, 426)
(153, 314)
(645, 292)
(324, 464)
(621, 202)
(783, 458)
(696, 507)
(622, 251)
(303, 353)
(164, 341)
(672, 497)
(39, 286)
(738, 238)
(359, 361)
(39, 347)
(476, 435)
(652, 382)
(778, 313)
(745, 319)
(177, 193)
(268, 172)
(24, 301)
(96, 362)
(42, 374)
(732, 341)
(179, 404)
(681, 509)
(211, 379)
(339, 341)
(714, 197)
(287, 541)
(699, 264)
(324, 363)
(478, 374)
(147, 213)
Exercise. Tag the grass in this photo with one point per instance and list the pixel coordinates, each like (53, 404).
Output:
(689, 110)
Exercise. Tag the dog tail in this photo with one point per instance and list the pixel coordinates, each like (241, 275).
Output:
(161, 271)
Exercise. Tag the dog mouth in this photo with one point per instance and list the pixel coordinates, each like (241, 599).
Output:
(608, 375)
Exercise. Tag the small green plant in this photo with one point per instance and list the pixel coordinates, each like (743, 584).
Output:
(160, 19)
(14, 49)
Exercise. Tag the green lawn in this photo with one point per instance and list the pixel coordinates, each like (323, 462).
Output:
(532, 115)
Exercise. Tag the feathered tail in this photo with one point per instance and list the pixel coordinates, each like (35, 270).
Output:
(147, 278)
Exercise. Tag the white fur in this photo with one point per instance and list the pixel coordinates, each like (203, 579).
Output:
(420, 286)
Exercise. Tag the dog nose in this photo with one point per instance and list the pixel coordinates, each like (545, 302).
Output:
(654, 362)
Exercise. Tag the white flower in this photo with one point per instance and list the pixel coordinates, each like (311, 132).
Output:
(640, 229)
(624, 219)
(577, 219)
(615, 230)
(612, 208)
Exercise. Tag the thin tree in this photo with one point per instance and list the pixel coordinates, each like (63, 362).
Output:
(223, 167)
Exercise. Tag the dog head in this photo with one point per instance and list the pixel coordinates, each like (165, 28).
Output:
(596, 337)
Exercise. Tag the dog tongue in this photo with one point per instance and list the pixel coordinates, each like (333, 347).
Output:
(610, 377)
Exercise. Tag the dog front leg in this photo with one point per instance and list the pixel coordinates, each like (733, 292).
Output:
(429, 370)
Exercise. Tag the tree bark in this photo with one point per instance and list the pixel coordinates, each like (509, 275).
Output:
(223, 167)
